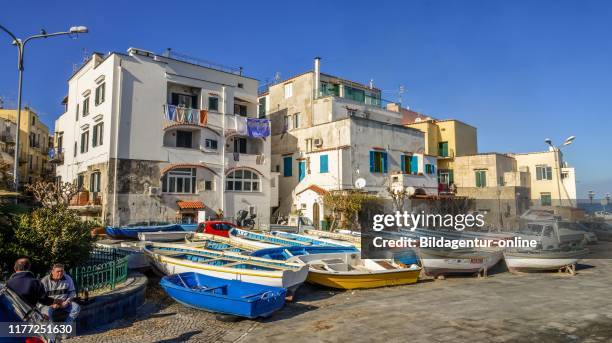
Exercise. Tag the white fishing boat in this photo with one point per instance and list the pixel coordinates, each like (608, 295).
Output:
(175, 258)
(163, 236)
(543, 260)
(309, 239)
(442, 261)
(261, 240)
(199, 240)
(337, 237)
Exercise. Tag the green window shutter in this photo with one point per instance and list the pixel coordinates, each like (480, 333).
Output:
(414, 164)
(287, 166)
(372, 163)
(403, 163)
(384, 162)
(323, 164)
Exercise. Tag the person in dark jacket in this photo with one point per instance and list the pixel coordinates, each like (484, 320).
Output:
(28, 287)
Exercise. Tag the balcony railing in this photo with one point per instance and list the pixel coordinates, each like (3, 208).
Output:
(7, 138)
(365, 100)
(174, 115)
(56, 155)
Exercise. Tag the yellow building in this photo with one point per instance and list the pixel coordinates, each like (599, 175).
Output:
(447, 139)
(33, 144)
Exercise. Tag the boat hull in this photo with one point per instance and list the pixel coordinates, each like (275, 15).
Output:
(163, 236)
(542, 261)
(363, 281)
(223, 296)
(442, 262)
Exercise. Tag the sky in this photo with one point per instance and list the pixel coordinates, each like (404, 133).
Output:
(520, 71)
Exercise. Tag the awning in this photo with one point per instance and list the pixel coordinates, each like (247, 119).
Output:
(190, 205)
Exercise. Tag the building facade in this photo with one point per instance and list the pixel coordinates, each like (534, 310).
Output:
(33, 143)
(152, 138)
(328, 132)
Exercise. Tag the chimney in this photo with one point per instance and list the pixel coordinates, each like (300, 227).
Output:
(317, 75)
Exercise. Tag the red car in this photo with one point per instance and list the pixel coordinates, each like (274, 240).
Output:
(218, 228)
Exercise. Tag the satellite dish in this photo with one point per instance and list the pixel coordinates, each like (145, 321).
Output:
(360, 183)
(410, 191)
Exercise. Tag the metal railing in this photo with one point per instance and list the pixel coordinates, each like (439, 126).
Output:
(365, 100)
(106, 268)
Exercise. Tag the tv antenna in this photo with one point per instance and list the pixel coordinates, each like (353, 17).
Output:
(400, 93)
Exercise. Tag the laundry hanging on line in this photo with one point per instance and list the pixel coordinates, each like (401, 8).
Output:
(258, 127)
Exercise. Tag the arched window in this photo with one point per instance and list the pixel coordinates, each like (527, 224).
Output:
(243, 180)
(179, 180)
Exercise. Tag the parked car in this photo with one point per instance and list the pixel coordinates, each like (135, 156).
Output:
(215, 227)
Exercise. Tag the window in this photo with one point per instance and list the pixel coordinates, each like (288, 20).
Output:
(80, 181)
(287, 123)
(179, 180)
(261, 109)
(75, 149)
(354, 94)
(323, 164)
(240, 145)
(443, 149)
(240, 85)
(378, 162)
(85, 106)
(210, 144)
(481, 178)
(98, 133)
(543, 172)
(100, 93)
(30, 162)
(545, 199)
(405, 163)
(183, 139)
(33, 120)
(240, 110)
(287, 166)
(445, 177)
(185, 100)
(84, 142)
(430, 169)
(243, 181)
(94, 182)
(288, 90)
(296, 120)
(208, 185)
(213, 103)
(77, 112)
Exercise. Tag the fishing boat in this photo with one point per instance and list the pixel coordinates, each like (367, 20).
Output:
(198, 240)
(442, 261)
(349, 271)
(15, 310)
(263, 240)
(285, 253)
(163, 236)
(543, 260)
(310, 240)
(353, 238)
(131, 232)
(175, 258)
(231, 297)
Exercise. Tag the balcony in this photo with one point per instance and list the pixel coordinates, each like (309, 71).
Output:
(177, 115)
(7, 138)
(56, 155)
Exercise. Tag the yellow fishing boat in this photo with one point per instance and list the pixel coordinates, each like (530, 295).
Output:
(350, 271)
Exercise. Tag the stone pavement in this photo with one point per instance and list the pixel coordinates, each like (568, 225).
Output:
(544, 307)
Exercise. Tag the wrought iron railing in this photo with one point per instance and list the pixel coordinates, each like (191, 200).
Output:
(106, 268)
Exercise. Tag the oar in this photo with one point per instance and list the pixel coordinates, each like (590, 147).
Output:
(183, 282)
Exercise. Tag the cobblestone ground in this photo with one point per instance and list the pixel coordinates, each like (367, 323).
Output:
(544, 307)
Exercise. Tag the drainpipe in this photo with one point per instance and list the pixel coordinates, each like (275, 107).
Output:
(224, 105)
(317, 76)
(117, 123)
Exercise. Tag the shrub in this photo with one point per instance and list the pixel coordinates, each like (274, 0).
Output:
(53, 234)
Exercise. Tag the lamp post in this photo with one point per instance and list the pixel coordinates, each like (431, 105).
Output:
(557, 151)
(21, 44)
(591, 195)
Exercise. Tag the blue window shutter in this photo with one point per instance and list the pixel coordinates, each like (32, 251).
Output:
(323, 164)
(403, 163)
(384, 162)
(301, 170)
(414, 164)
(287, 165)
(371, 161)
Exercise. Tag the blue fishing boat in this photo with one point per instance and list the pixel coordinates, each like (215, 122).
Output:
(285, 253)
(131, 232)
(232, 297)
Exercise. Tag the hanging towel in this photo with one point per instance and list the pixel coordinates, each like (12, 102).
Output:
(203, 117)
(236, 156)
(258, 127)
(241, 126)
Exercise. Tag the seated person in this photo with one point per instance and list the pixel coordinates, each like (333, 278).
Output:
(27, 286)
(60, 288)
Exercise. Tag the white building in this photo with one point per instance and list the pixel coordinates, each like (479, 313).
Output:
(153, 138)
(328, 132)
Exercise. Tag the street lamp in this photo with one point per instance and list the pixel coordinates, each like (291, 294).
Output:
(557, 149)
(591, 195)
(21, 44)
